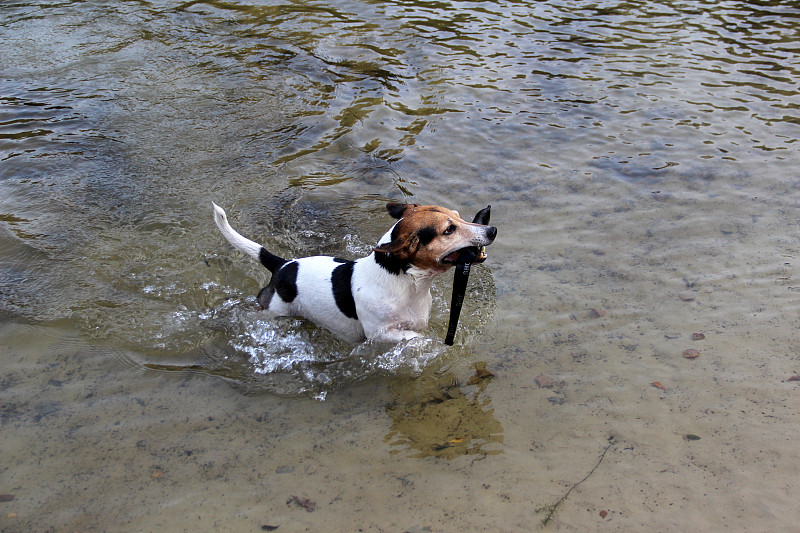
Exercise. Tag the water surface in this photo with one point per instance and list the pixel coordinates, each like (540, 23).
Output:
(640, 159)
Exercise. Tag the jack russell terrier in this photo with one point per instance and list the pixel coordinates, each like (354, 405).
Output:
(385, 296)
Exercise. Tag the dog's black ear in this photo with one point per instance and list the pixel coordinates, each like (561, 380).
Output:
(403, 247)
(398, 210)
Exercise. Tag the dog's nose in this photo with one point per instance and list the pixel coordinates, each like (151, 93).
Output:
(491, 233)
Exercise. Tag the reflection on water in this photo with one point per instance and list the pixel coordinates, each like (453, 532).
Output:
(434, 417)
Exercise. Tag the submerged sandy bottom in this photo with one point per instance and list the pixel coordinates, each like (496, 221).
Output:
(150, 451)
(570, 422)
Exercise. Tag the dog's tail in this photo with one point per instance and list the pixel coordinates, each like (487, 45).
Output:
(253, 249)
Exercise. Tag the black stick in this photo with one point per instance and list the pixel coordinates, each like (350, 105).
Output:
(460, 282)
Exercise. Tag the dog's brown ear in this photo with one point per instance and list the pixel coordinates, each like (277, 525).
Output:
(404, 247)
(398, 210)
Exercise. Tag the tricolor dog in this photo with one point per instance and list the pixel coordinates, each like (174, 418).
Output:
(384, 296)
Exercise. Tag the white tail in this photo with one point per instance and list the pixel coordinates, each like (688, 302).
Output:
(249, 247)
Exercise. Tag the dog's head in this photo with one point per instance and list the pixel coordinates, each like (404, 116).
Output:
(433, 238)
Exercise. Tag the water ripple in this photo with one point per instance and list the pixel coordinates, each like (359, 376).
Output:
(120, 121)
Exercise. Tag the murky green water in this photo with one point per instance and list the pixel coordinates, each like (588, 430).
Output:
(641, 160)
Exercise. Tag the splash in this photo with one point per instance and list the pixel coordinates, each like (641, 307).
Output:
(299, 359)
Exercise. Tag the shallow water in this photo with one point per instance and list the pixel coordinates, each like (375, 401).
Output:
(640, 159)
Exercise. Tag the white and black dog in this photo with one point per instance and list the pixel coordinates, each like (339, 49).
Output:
(385, 296)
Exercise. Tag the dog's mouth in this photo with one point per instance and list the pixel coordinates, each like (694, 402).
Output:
(470, 254)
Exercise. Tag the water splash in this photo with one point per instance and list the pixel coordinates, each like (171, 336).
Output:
(296, 358)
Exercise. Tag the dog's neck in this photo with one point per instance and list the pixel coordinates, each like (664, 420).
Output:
(390, 263)
(422, 278)
(400, 269)
(405, 270)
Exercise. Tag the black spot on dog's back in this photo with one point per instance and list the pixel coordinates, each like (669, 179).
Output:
(286, 282)
(341, 283)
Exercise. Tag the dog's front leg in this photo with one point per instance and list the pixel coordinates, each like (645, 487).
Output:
(386, 318)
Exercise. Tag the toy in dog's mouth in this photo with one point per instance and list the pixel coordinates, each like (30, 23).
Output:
(470, 254)
(463, 260)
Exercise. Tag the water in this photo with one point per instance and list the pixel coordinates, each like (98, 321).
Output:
(640, 160)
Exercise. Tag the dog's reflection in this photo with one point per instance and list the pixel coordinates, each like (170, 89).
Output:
(432, 416)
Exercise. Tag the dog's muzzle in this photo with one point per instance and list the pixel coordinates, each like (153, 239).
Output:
(473, 254)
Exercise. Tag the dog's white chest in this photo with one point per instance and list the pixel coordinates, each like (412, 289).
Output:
(390, 306)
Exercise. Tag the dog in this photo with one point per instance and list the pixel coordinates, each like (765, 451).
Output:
(384, 296)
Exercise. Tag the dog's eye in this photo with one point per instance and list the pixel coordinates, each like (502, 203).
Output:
(450, 229)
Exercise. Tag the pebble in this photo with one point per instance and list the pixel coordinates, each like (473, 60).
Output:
(599, 312)
(686, 298)
(543, 381)
(603, 513)
(691, 353)
(698, 336)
